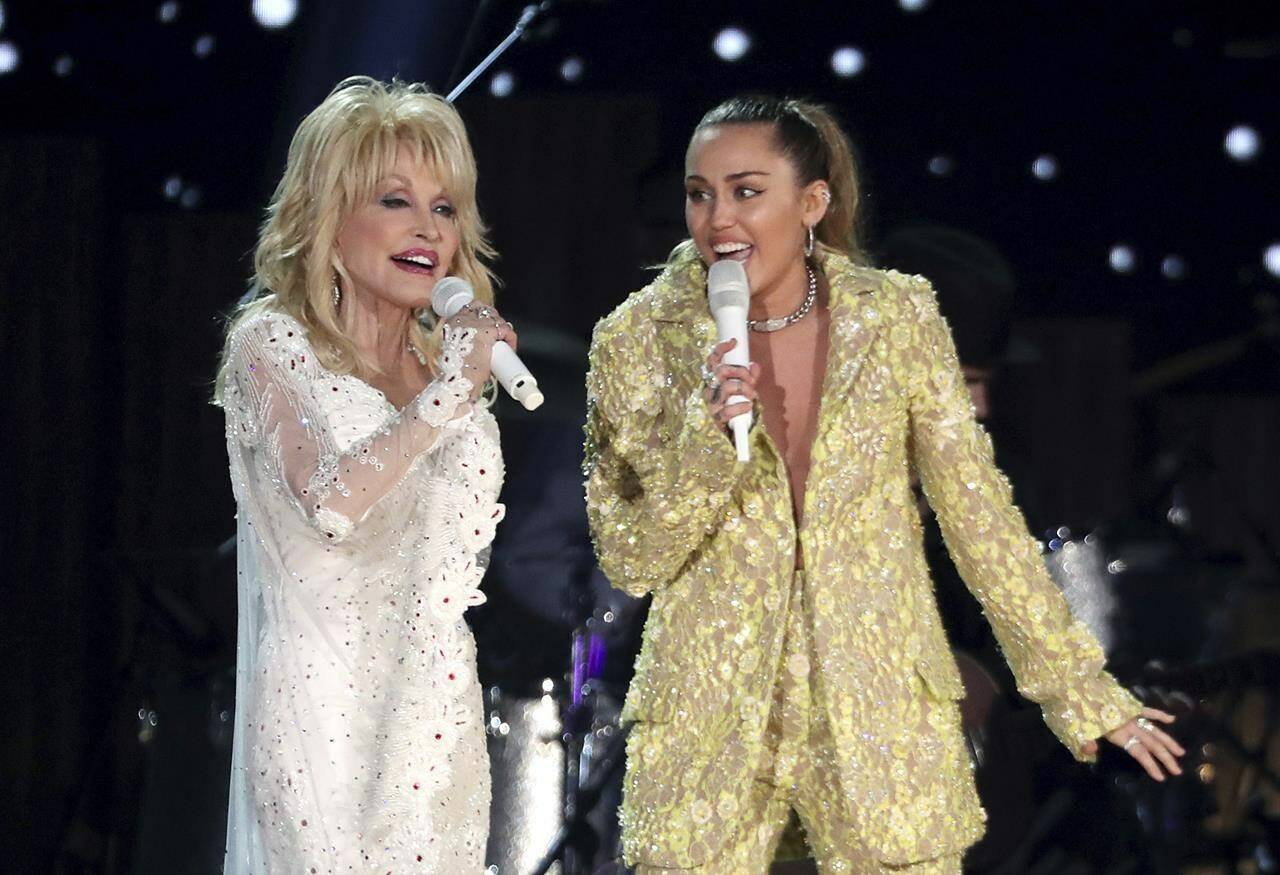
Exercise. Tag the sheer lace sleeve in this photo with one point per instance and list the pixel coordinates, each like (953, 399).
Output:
(332, 441)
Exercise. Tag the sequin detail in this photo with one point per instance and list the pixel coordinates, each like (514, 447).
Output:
(363, 532)
(673, 513)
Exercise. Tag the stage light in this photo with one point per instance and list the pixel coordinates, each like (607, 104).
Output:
(1174, 267)
(274, 14)
(190, 197)
(1122, 258)
(204, 45)
(168, 12)
(847, 61)
(731, 44)
(1045, 168)
(913, 5)
(1, 16)
(172, 187)
(1271, 259)
(502, 84)
(941, 165)
(1242, 143)
(572, 68)
(9, 57)
(63, 65)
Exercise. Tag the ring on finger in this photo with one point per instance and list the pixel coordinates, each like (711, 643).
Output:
(1145, 725)
(1133, 739)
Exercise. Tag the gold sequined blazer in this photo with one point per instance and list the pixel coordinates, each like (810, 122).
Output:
(674, 513)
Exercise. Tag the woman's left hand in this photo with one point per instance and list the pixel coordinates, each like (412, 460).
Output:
(1147, 743)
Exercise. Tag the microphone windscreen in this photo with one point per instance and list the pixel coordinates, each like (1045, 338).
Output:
(450, 295)
(727, 285)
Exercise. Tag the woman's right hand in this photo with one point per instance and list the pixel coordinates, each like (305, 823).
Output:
(725, 381)
(489, 328)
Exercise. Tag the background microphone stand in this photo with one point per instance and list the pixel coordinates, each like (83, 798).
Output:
(528, 16)
(589, 770)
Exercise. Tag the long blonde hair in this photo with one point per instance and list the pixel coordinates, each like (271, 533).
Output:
(339, 154)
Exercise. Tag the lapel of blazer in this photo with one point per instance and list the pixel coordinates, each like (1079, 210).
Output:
(854, 323)
(680, 298)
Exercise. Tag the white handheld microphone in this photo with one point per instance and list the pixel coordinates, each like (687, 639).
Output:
(728, 294)
(453, 293)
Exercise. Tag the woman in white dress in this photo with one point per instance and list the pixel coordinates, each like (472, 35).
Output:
(366, 472)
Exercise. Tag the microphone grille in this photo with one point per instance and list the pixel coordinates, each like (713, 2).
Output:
(727, 285)
(450, 295)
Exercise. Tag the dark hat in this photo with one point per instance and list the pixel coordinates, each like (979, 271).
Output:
(975, 285)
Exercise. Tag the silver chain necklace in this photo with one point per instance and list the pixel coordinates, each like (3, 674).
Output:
(766, 325)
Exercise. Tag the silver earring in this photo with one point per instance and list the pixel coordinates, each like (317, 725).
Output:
(337, 292)
(808, 246)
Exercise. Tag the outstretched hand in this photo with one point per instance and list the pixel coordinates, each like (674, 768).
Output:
(1147, 743)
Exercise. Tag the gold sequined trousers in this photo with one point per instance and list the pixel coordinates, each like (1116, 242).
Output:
(799, 780)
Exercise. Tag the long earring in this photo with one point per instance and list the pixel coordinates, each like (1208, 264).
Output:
(808, 246)
(337, 291)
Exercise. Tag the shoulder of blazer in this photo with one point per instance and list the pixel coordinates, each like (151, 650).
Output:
(912, 293)
(674, 295)
(891, 286)
(888, 297)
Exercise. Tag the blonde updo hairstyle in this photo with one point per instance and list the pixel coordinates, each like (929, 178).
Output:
(811, 138)
(338, 156)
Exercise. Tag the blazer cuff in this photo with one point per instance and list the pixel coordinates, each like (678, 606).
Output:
(1088, 711)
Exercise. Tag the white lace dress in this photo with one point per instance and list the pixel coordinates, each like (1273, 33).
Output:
(362, 531)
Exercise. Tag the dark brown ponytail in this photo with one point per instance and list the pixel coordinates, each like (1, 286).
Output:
(818, 148)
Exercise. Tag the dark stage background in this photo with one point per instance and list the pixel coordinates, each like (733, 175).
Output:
(1139, 402)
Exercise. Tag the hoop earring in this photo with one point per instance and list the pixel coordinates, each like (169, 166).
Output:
(337, 291)
(809, 244)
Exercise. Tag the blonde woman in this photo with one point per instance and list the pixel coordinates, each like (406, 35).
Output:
(793, 657)
(366, 473)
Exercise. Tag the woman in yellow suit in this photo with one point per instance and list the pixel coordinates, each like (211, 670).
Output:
(793, 658)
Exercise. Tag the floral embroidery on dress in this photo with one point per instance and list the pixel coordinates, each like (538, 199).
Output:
(363, 532)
